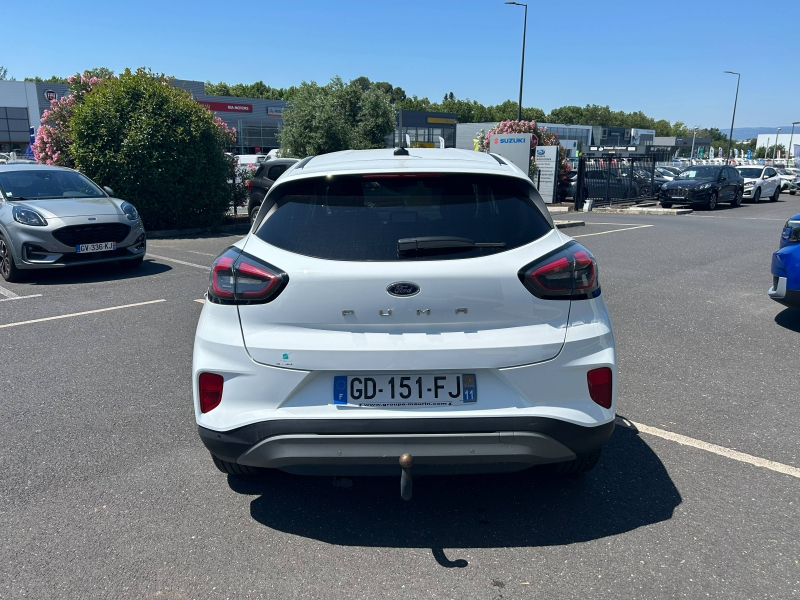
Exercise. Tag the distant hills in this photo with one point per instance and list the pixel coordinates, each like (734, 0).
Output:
(745, 133)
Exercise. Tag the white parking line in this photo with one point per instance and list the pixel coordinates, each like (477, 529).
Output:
(180, 262)
(203, 253)
(713, 448)
(78, 314)
(20, 297)
(9, 295)
(738, 218)
(612, 231)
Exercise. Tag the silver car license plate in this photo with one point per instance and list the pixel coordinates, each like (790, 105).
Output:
(388, 391)
(101, 247)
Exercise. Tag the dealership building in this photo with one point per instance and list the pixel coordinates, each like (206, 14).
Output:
(257, 121)
(21, 106)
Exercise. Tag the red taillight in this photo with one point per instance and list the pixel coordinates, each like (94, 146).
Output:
(555, 276)
(221, 284)
(600, 386)
(239, 278)
(585, 270)
(210, 386)
(254, 280)
(568, 274)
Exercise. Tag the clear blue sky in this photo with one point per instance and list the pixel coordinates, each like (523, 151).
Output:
(666, 59)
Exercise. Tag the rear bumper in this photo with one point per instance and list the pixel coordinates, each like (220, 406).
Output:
(334, 445)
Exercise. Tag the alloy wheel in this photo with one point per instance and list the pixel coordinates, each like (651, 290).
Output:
(712, 201)
(5, 259)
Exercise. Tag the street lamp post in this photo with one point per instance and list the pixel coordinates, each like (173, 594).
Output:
(522, 68)
(790, 149)
(775, 151)
(730, 138)
(691, 155)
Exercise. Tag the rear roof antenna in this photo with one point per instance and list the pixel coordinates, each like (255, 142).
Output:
(401, 151)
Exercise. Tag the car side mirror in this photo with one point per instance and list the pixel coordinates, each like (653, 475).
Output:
(108, 190)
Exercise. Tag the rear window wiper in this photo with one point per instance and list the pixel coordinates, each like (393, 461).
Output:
(442, 242)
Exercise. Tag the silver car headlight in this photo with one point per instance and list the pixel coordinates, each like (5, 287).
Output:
(130, 211)
(28, 216)
(749, 183)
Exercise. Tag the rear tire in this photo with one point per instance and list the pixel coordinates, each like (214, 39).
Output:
(235, 469)
(583, 463)
(254, 213)
(737, 199)
(8, 270)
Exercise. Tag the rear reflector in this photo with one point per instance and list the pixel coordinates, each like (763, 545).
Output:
(210, 386)
(600, 386)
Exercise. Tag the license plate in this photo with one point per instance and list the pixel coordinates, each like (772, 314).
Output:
(677, 197)
(101, 247)
(386, 391)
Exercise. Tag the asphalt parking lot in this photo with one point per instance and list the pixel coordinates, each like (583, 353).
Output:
(108, 492)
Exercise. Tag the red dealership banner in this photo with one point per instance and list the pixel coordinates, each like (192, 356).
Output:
(227, 107)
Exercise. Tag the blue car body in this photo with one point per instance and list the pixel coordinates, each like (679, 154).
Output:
(786, 266)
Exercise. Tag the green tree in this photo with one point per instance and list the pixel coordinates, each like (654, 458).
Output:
(4, 74)
(156, 147)
(336, 116)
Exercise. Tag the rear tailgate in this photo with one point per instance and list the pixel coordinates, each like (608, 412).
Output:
(468, 314)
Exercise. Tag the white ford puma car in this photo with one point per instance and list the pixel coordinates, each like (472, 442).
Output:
(404, 313)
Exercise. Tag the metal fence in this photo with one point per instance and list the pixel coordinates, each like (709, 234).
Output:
(610, 179)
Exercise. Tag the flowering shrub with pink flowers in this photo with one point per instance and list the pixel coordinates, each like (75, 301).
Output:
(53, 140)
(545, 139)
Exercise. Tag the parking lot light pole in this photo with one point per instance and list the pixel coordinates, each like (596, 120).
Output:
(790, 149)
(522, 68)
(775, 151)
(733, 118)
(691, 156)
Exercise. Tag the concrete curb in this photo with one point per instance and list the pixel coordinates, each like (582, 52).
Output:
(171, 233)
(565, 224)
(558, 209)
(670, 212)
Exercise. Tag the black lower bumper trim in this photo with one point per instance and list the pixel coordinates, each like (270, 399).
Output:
(230, 445)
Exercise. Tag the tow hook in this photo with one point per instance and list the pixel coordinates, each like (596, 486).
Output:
(406, 460)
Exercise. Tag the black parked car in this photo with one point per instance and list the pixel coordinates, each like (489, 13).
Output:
(648, 186)
(706, 184)
(264, 177)
(567, 187)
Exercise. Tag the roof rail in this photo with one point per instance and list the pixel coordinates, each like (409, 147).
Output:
(498, 159)
(303, 162)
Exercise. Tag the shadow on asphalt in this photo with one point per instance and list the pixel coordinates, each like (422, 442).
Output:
(93, 273)
(629, 488)
(789, 318)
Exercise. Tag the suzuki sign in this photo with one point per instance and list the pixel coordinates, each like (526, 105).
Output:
(516, 147)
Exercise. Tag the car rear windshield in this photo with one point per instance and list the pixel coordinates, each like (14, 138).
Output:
(365, 217)
(41, 184)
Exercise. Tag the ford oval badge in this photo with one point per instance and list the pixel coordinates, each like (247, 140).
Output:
(403, 288)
